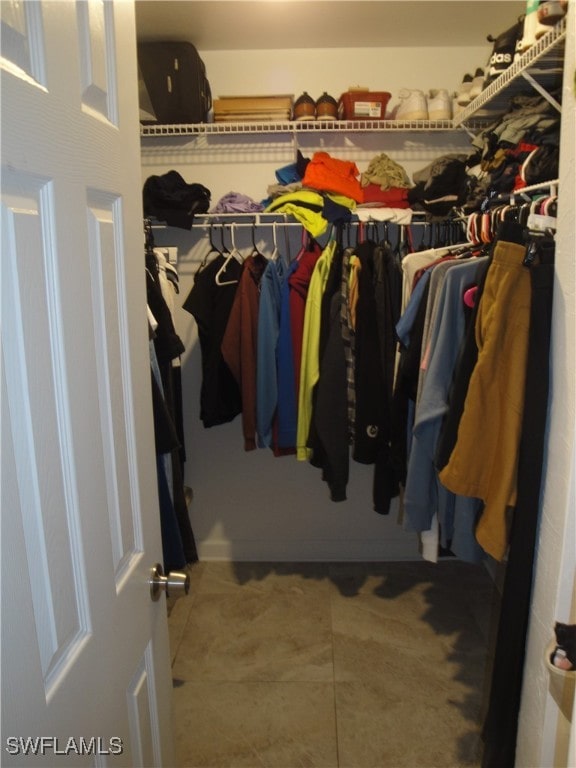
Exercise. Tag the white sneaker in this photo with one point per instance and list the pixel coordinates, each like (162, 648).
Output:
(533, 29)
(463, 94)
(412, 105)
(456, 107)
(439, 105)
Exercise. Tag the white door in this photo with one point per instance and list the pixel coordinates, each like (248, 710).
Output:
(85, 661)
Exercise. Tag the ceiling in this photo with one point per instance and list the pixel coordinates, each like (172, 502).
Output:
(284, 24)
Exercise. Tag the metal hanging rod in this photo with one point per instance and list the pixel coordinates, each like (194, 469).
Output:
(271, 220)
(274, 224)
(261, 218)
(551, 186)
(241, 224)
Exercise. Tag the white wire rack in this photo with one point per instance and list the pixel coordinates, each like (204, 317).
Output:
(295, 128)
(541, 66)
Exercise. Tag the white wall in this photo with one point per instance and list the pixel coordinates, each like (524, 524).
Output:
(253, 505)
(547, 701)
(235, 73)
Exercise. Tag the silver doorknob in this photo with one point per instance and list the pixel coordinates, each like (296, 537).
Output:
(175, 584)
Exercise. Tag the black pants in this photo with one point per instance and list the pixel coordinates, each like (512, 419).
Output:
(501, 724)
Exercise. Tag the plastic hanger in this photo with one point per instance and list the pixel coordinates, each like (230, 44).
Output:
(470, 296)
(255, 251)
(234, 253)
(212, 251)
(275, 252)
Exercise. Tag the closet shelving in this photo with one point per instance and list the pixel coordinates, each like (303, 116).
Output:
(295, 128)
(540, 67)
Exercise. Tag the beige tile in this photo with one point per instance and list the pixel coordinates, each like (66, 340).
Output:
(291, 578)
(255, 725)
(384, 726)
(351, 579)
(391, 579)
(368, 630)
(257, 637)
(259, 646)
(179, 609)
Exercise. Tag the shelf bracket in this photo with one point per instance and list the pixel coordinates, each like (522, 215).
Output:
(542, 91)
(468, 131)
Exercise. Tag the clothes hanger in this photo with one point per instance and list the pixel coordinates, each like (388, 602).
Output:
(234, 253)
(428, 237)
(255, 252)
(469, 297)
(385, 241)
(213, 250)
(304, 240)
(150, 256)
(275, 252)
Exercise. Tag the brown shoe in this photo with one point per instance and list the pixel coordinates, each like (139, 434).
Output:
(304, 108)
(326, 107)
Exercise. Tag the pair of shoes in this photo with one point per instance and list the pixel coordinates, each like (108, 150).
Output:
(439, 105)
(325, 108)
(537, 21)
(415, 105)
(470, 88)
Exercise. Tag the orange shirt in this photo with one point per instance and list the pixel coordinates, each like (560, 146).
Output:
(328, 174)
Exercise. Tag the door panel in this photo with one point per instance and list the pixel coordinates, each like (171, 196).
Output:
(85, 659)
(114, 382)
(51, 520)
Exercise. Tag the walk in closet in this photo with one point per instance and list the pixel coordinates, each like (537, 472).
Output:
(252, 505)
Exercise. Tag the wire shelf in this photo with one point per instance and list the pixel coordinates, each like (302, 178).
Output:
(542, 63)
(294, 127)
(541, 66)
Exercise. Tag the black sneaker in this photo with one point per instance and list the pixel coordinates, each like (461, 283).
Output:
(503, 51)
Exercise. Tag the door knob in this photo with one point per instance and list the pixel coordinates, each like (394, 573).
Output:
(175, 584)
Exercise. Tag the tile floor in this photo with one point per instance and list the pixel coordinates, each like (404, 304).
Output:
(331, 665)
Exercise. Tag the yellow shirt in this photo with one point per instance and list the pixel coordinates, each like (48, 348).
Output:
(310, 364)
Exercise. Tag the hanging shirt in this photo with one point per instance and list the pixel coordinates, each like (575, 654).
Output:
(287, 402)
(347, 330)
(210, 305)
(310, 364)
(330, 410)
(266, 365)
(424, 496)
(299, 283)
(484, 461)
(240, 342)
